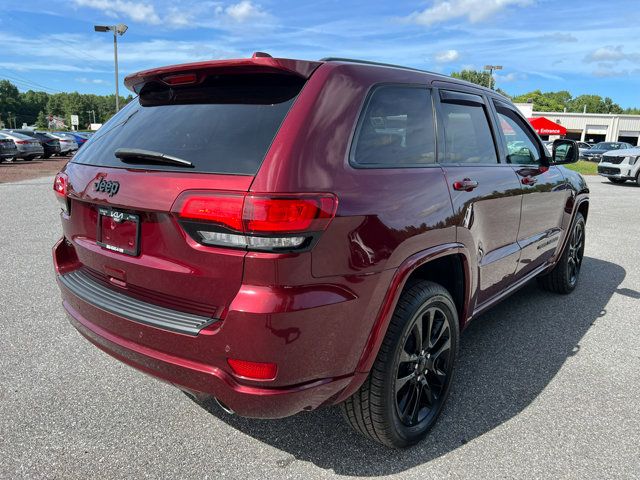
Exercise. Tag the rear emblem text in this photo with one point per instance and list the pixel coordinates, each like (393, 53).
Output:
(108, 186)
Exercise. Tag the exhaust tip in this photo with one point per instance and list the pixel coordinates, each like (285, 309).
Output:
(224, 407)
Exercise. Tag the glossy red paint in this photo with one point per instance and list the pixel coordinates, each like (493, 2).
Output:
(320, 314)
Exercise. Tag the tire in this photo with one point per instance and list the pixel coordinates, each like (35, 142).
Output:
(638, 179)
(27, 159)
(403, 370)
(617, 181)
(47, 155)
(564, 276)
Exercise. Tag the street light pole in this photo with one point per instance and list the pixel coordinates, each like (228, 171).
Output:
(117, 30)
(491, 68)
(115, 56)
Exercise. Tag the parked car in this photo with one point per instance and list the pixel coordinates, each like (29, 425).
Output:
(28, 147)
(68, 143)
(548, 145)
(51, 145)
(79, 138)
(594, 154)
(8, 149)
(621, 165)
(278, 248)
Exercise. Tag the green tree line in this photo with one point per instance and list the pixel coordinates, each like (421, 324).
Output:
(32, 107)
(550, 101)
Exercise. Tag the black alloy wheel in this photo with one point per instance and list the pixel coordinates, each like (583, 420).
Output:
(424, 367)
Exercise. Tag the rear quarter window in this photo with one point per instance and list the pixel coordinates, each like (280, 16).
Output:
(396, 129)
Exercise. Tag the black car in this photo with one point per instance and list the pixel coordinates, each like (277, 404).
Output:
(8, 149)
(594, 154)
(50, 144)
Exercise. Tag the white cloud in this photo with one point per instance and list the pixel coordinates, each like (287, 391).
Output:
(244, 11)
(510, 77)
(559, 37)
(611, 53)
(95, 81)
(447, 56)
(474, 10)
(136, 11)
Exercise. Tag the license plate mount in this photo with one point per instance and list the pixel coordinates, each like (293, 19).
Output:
(118, 231)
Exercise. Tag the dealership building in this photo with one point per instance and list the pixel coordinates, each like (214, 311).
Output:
(588, 127)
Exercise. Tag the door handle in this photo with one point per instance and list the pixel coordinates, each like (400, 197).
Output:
(465, 185)
(529, 180)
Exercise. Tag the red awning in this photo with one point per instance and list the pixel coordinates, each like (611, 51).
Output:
(544, 126)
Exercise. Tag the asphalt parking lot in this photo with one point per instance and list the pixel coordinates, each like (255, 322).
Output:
(547, 386)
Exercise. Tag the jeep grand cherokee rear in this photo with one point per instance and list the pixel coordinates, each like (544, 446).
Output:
(281, 235)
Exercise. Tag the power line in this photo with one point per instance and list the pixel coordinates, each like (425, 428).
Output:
(29, 83)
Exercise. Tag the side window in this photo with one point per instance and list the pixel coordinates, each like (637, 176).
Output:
(396, 128)
(468, 138)
(521, 146)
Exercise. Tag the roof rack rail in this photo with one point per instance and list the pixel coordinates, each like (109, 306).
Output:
(368, 62)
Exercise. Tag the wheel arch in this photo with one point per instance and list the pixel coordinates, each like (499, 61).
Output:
(424, 265)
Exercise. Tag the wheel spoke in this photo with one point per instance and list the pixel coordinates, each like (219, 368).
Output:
(445, 347)
(417, 331)
(416, 404)
(430, 314)
(406, 357)
(443, 329)
(401, 382)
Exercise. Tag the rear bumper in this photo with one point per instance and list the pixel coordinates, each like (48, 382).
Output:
(207, 380)
(314, 333)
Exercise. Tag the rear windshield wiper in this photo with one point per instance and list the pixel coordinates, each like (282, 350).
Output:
(140, 156)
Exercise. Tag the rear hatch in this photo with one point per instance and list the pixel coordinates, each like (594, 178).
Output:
(198, 127)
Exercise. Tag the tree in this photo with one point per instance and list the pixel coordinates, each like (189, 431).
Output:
(594, 104)
(9, 100)
(475, 76)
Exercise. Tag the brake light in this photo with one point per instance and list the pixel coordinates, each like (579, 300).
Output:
(255, 221)
(253, 370)
(181, 79)
(22, 142)
(60, 185)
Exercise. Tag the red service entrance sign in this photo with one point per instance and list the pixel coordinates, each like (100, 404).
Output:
(544, 126)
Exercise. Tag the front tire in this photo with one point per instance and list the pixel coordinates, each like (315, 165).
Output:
(564, 276)
(409, 382)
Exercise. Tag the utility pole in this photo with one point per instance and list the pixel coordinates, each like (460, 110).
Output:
(93, 112)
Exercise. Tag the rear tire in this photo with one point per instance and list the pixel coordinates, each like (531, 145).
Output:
(617, 181)
(409, 382)
(564, 276)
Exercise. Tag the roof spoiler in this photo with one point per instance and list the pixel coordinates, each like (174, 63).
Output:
(260, 62)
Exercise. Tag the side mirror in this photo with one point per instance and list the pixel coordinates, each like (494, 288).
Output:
(565, 151)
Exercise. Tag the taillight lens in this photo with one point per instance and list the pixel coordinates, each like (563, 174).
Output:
(60, 185)
(22, 142)
(253, 370)
(255, 221)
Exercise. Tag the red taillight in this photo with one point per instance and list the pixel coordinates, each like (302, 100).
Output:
(180, 79)
(268, 222)
(224, 210)
(60, 184)
(22, 142)
(274, 214)
(258, 213)
(253, 370)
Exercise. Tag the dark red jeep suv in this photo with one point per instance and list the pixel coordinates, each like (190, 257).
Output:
(279, 235)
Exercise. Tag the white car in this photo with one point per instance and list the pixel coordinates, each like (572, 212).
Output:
(621, 165)
(68, 144)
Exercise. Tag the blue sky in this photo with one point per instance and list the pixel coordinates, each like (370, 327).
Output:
(587, 46)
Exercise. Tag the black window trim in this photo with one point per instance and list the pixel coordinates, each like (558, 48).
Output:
(542, 150)
(462, 99)
(360, 121)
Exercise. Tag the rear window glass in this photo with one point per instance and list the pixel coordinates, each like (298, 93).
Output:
(224, 125)
(396, 128)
